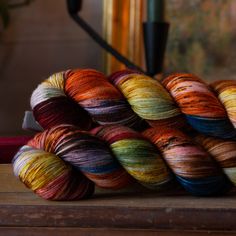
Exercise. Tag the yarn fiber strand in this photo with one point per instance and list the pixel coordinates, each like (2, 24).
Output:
(129, 98)
(113, 131)
(195, 169)
(201, 107)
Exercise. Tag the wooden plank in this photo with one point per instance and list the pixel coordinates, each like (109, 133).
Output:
(36, 231)
(145, 211)
(8, 182)
(133, 208)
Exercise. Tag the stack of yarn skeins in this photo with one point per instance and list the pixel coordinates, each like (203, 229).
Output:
(113, 131)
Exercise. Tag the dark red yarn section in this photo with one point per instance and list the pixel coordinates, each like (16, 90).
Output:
(59, 110)
(114, 136)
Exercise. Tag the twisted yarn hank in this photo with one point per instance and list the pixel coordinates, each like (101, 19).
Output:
(64, 163)
(135, 97)
(84, 152)
(113, 156)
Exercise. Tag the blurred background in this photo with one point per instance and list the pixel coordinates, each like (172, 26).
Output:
(42, 39)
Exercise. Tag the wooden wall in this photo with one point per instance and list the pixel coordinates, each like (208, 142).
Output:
(41, 39)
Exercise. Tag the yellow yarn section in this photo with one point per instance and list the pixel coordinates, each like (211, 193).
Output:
(148, 98)
(141, 160)
(55, 81)
(231, 173)
(38, 168)
(228, 98)
(50, 88)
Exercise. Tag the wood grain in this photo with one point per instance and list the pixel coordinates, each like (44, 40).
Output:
(145, 211)
(168, 212)
(37, 231)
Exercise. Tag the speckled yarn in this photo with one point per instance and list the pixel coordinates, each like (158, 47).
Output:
(88, 99)
(223, 151)
(52, 107)
(79, 93)
(148, 98)
(49, 176)
(194, 168)
(62, 163)
(65, 162)
(197, 101)
(226, 91)
(136, 154)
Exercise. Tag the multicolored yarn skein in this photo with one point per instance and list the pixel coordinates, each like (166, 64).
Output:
(90, 91)
(131, 97)
(64, 163)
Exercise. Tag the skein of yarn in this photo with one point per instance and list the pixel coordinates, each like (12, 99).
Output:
(48, 162)
(64, 163)
(130, 98)
(49, 176)
(88, 141)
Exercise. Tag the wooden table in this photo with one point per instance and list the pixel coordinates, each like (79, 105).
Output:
(113, 213)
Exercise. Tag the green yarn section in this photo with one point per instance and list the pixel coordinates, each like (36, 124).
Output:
(141, 160)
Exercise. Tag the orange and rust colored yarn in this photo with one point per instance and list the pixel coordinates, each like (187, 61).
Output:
(201, 107)
(85, 95)
(148, 98)
(134, 99)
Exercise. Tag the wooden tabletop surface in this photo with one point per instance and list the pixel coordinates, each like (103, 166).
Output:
(128, 209)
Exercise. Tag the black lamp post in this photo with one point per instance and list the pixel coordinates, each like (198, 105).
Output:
(155, 36)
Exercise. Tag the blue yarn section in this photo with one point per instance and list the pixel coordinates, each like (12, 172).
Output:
(210, 186)
(101, 169)
(220, 128)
